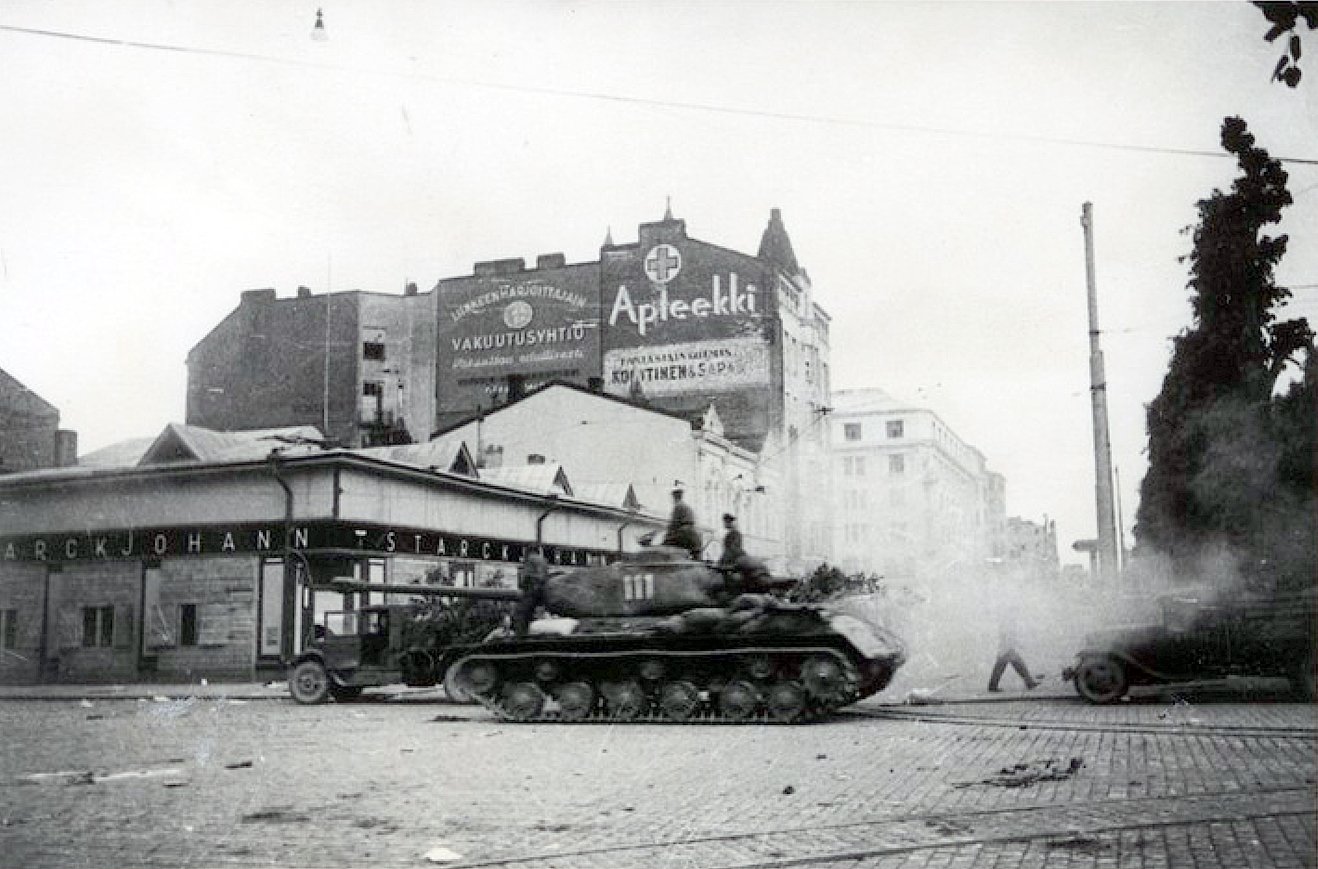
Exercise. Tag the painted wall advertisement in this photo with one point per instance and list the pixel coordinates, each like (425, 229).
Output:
(492, 327)
(697, 366)
(684, 318)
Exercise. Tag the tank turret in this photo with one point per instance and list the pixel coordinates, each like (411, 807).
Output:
(660, 636)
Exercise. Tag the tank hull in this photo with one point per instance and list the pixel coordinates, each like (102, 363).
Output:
(661, 676)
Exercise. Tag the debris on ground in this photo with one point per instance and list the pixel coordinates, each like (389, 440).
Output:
(1024, 774)
(441, 854)
(278, 815)
(1078, 842)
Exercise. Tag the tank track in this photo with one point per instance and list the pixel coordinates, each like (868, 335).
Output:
(748, 685)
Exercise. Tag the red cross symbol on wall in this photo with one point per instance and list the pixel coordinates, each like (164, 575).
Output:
(662, 263)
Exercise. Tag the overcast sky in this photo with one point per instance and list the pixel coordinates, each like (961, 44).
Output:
(930, 161)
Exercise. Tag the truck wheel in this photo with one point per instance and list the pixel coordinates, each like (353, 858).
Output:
(1101, 679)
(309, 683)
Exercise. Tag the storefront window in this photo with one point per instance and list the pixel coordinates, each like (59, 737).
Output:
(97, 626)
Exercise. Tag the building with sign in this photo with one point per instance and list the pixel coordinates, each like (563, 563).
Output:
(680, 324)
(505, 329)
(670, 321)
(197, 560)
(914, 500)
(359, 366)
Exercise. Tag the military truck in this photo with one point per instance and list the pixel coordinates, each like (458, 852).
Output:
(1203, 638)
(388, 644)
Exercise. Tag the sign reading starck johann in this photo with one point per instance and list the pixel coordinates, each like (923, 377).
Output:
(695, 366)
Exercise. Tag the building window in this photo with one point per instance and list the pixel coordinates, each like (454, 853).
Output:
(895, 428)
(373, 351)
(8, 629)
(373, 389)
(187, 624)
(897, 464)
(851, 430)
(97, 626)
(853, 466)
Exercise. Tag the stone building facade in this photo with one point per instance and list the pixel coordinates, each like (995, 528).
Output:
(359, 366)
(913, 500)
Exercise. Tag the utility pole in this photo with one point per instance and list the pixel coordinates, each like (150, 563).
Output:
(1106, 554)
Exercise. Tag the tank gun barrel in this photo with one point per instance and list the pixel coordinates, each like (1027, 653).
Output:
(508, 594)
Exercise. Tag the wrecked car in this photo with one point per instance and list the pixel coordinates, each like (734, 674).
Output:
(1200, 638)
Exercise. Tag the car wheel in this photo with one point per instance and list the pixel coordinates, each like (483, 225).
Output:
(309, 683)
(1101, 679)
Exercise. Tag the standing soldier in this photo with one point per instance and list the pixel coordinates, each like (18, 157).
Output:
(534, 573)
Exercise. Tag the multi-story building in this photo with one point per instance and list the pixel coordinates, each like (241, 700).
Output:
(30, 436)
(913, 500)
(360, 366)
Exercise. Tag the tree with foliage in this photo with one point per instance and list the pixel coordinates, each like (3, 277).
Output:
(1230, 464)
(1285, 16)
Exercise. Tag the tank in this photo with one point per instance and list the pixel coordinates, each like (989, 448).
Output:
(657, 636)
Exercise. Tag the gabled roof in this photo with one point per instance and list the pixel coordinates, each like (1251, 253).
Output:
(449, 455)
(124, 454)
(10, 386)
(543, 479)
(609, 494)
(187, 443)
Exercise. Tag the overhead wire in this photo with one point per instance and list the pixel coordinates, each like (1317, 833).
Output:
(654, 102)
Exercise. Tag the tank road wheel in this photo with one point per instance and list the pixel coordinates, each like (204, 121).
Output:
(786, 701)
(626, 700)
(576, 700)
(738, 700)
(456, 687)
(823, 678)
(479, 677)
(679, 700)
(523, 700)
(653, 669)
(546, 670)
(758, 666)
(1101, 679)
(309, 683)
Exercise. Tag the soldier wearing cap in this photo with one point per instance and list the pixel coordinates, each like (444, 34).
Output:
(682, 530)
(733, 548)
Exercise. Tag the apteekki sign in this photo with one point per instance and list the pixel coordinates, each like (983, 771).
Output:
(268, 539)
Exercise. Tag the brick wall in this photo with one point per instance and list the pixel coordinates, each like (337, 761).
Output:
(72, 590)
(223, 590)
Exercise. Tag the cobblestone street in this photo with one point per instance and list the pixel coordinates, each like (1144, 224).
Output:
(225, 782)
